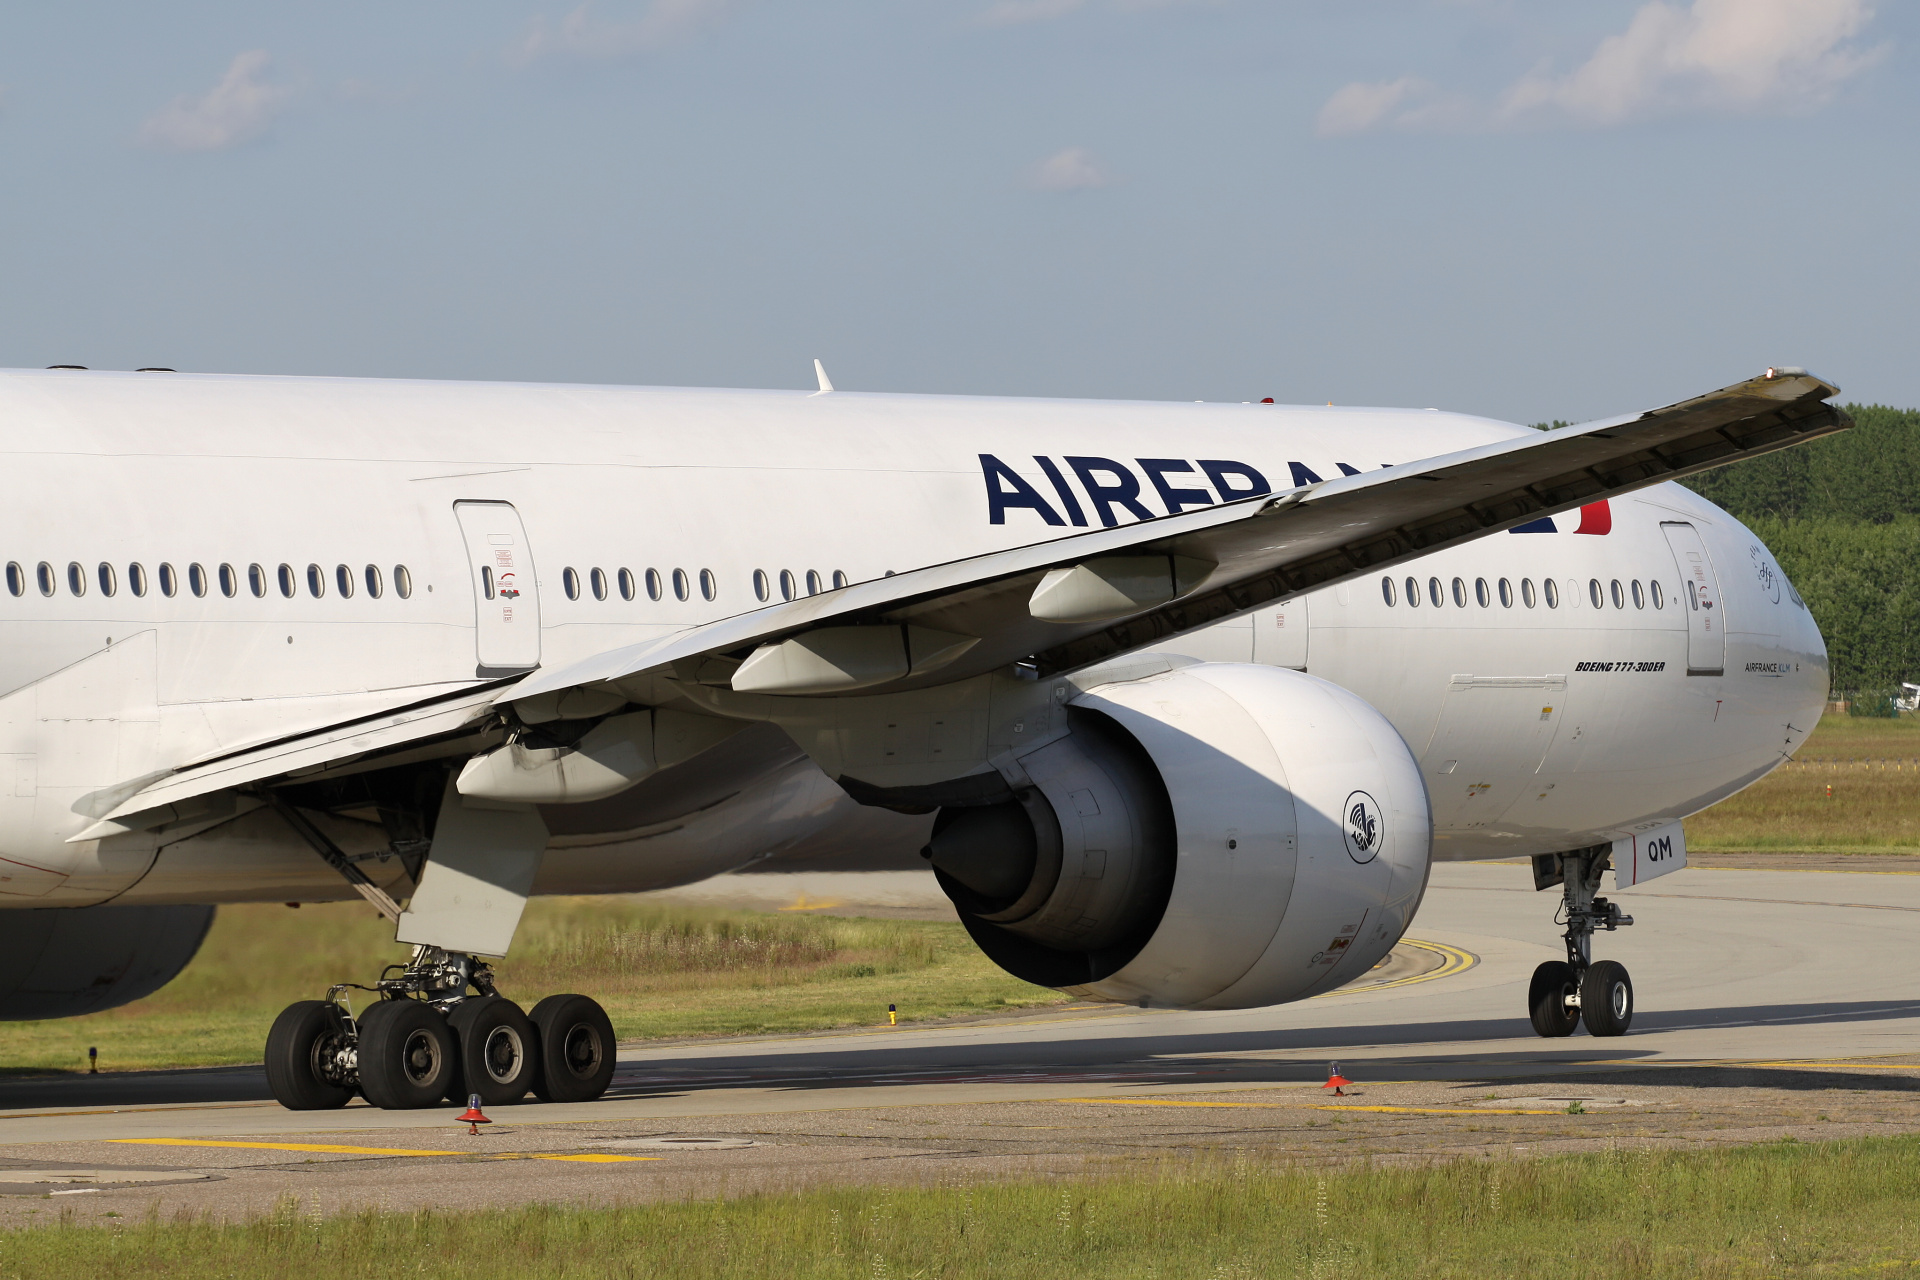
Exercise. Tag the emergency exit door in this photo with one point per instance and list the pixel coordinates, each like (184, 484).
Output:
(506, 594)
(1700, 599)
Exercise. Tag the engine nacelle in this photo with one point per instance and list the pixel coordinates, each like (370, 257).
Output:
(61, 962)
(1221, 836)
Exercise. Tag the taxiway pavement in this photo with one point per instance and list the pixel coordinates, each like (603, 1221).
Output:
(1772, 984)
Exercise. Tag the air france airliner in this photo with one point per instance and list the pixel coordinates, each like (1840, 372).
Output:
(1179, 701)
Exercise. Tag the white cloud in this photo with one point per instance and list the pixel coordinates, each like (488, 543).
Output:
(1728, 56)
(1074, 169)
(584, 34)
(1359, 106)
(1720, 55)
(236, 110)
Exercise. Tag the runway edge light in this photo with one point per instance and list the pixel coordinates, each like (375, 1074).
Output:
(1336, 1081)
(473, 1117)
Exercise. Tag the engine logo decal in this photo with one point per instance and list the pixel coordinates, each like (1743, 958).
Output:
(1363, 828)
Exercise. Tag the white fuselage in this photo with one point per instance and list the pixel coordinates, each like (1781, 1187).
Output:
(1538, 728)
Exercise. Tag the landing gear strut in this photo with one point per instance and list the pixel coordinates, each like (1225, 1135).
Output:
(428, 1038)
(1563, 992)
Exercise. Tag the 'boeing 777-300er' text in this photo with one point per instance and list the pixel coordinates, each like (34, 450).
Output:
(1179, 700)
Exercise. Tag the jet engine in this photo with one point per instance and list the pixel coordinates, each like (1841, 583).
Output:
(60, 962)
(1220, 836)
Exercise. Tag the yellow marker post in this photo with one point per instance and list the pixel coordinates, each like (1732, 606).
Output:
(893, 1016)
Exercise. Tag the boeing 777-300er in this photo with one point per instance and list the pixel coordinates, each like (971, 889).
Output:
(1180, 699)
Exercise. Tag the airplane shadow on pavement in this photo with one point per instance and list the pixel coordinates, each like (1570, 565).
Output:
(1070, 1055)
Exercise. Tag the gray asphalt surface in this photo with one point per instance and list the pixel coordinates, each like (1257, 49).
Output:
(1747, 980)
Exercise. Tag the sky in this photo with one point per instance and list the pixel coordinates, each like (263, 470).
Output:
(1530, 211)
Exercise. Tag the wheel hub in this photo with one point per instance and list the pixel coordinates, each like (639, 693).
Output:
(503, 1054)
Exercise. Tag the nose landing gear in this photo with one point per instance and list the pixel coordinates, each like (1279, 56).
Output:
(1564, 992)
(427, 1038)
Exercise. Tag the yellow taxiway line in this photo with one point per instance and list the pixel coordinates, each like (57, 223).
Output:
(1311, 1106)
(330, 1148)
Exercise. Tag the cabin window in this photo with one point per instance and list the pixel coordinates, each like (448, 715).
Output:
(256, 580)
(813, 582)
(229, 581)
(681, 588)
(1436, 592)
(109, 583)
(840, 579)
(654, 589)
(76, 578)
(1526, 592)
(761, 586)
(1619, 596)
(44, 573)
(136, 578)
(1386, 591)
(197, 579)
(1552, 593)
(1506, 594)
(570, 582)
(374, 585)
(402, 582)
(786, 584)
(343, 581)
(316, 581)
(709, 585)
(287, 583)
(1639, 596)
(169, 581)
(597, 579)
(1413, 593)
(1595, 594)
(16, 578)
(1659, 596)
(1481, 593)
(626, 584)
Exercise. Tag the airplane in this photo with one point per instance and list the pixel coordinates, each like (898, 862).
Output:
(1180, 701)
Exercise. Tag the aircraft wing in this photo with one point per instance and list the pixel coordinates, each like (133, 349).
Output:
(1033, 605)
(1158, 578)
(439, 725)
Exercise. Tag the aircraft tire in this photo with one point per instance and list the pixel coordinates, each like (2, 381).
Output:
(1606, 999)
(498, 1054)
(407, 1055)
(1547, 996)
(575, 1037)
(301, 1038)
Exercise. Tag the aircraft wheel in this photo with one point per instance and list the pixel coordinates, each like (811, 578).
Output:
(304, 1050)
(497, 1056)
(575, 1037)
(407, 1055)
(1547, 996)
(1606, 999)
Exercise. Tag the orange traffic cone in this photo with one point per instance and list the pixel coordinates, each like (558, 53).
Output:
(474, 1117)
(1336, 1081)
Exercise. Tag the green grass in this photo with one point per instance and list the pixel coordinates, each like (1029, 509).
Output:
(660, 971)
(1782, 1209)
(1871, 809)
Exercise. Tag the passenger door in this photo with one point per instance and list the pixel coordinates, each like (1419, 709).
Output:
(1706, 619)
(506, 593)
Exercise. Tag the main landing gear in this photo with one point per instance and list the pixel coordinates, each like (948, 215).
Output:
(428, 1039)
(1565, 991)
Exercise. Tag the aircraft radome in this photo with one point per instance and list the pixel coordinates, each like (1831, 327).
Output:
(1180, 699)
